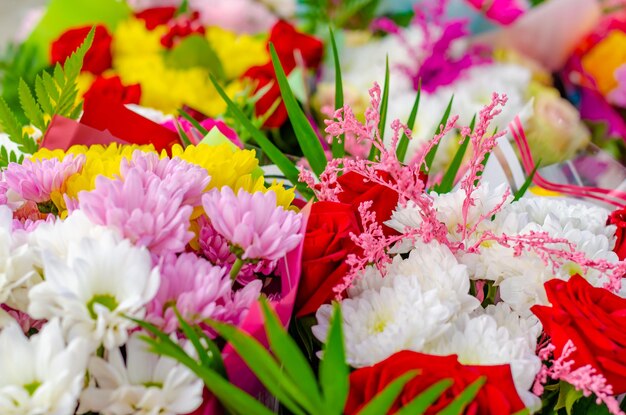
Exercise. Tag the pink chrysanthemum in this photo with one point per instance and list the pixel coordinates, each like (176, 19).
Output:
(36, 180)
(193, 178)
(200, 291)
(145, 209)
(213, 246)
(253, 222)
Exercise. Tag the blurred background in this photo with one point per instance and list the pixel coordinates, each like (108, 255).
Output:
(12, 13)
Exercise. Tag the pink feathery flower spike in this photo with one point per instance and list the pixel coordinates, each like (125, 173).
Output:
(36, 180)
(253, 222)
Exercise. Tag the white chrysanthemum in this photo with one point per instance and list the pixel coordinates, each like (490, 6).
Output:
(145, 384)
(483, 341)
(93, 290)
(411, 306)
(40, 375)
(17, 263)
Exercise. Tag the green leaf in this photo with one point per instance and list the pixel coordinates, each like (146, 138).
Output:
(195, 51)
(290, 356)
(522, 190)
(306, 136)
(568, 395)
(338, 145)
(457, 406)
(382, 402)
(29, 105)
(426, 398)
(50, 87)
(282, 162)
(193, 122)
(43, 97)
(430, 157)
(384, 104)
(334, 372)
(265, 367)
(403, 145)
(9, 122)
(192, 336)
(447, 182)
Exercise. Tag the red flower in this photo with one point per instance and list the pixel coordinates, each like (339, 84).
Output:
(327, 243)
(98, 58)
(156, 16)
(496, 397)
(356, 189)
(618, 218)
(594, 320)
(288, 43)
(111, 88)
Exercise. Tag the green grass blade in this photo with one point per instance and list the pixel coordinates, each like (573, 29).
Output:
(384, 104)
(383, 400)
(308, 140)
(457, 406)
(192, 336)
(425, 399)
(282, 162)
(403, 145)
(447, 182)
(338, 145)
(292, 359)
(193, 122)
(430, 157)
(522, 190)
(334, 372)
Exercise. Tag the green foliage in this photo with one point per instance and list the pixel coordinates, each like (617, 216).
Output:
(403, 145)
(306, 136)
(337, 14)
(55, 94)
(195, 51)
(384, 104)
(338, 145)
(430, 157)
(522, 190)
(447, 182)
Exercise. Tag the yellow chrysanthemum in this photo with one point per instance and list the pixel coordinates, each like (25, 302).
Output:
(237, 53)
(131, 38)
(602, 61)
(238, 169)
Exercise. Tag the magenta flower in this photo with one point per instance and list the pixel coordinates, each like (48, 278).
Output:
(253, 223)
(36, 180)
(144, 208)
(193, 179)
(501, 11)
(200, 291)
(213, 246)
(618, 95)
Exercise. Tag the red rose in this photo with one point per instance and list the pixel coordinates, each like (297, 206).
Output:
(327, 243)
(356, 189)
(594, 320)
(497, 396)
(111, 88)
(618, 218)
(156, 16)
(287, 41)
(98, 58)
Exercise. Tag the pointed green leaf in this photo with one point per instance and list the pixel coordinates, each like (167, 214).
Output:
(447, 182)
(193, 122)
(430, 157)
(50, 87)
(192, 336)
(522, 190)
(9, 122)
(43, 97)
(306, 136)
(382, 402)
(384, 104)
(425, 399)
(338, 145)
(30, 106)
(403, 145)
(290, 356)
(457, 406)
(334, 371)
(282, 162)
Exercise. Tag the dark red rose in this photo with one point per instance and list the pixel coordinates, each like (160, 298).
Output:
(156, 16)
(111, 88)
(98, 58)
(288, 43)
(497, 396)
(356, 189)
(618, 218)
(594, 320)
(327, 243)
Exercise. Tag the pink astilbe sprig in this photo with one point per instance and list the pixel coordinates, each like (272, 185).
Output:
(555, 252)
(482, 144)
(585, 378)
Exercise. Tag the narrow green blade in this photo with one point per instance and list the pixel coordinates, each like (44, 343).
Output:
(384, 104)
(338, 145)
(403, 145)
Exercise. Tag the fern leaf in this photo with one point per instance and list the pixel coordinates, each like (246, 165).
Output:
(27, 145)
(32, 110)
(43, 97)
(4, 157)
(51, 87)
(74, 63)
(59, 76)
(9, 122)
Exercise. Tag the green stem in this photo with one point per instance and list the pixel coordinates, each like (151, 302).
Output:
(234, 271)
